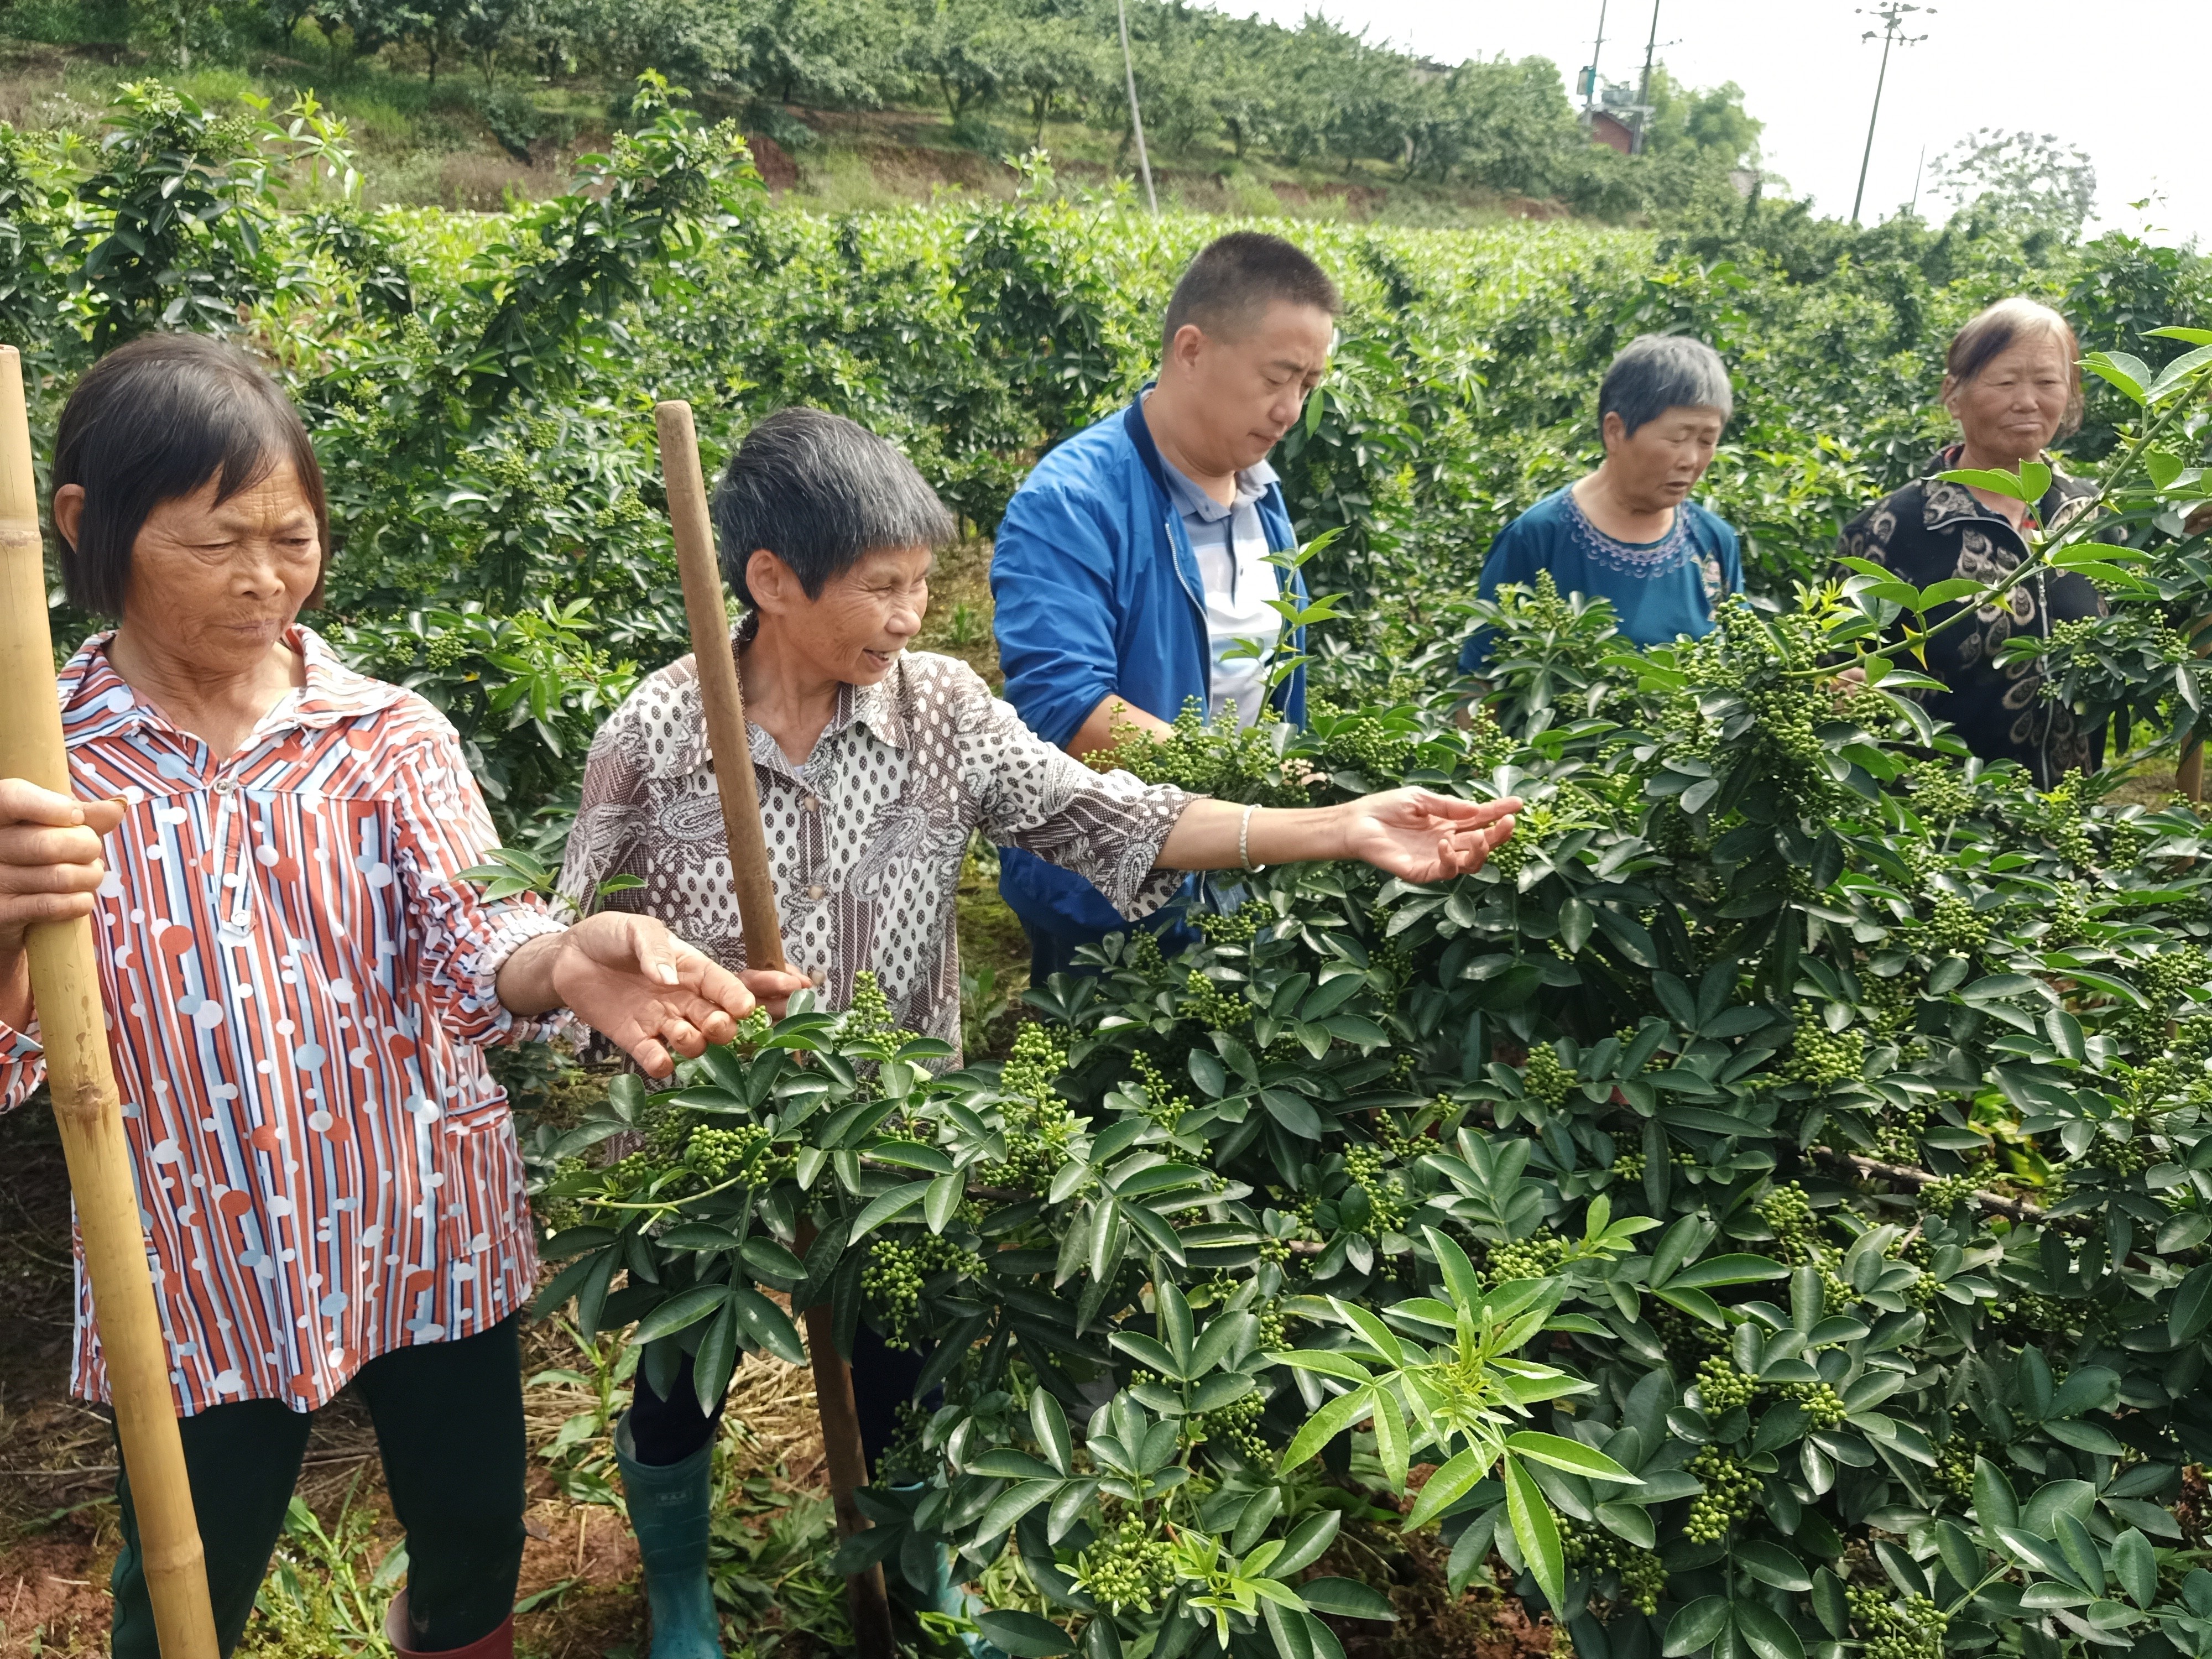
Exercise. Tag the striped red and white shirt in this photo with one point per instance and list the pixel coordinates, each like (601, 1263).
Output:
(298, 988)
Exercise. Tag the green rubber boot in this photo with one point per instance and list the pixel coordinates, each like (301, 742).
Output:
(669, 1509)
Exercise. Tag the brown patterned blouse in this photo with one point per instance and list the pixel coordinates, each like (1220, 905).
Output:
(865, 839)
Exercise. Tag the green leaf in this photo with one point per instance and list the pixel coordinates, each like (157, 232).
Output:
(1571, 1455)
(1325, 1425)
(1011, 1505)
(895, 1202)
(1771, 1563)
(1766, 1632)
(2192, 1311)
(2136, 1565)
(1696, 1627)
(1023, 1635)
(1049, 1423)
(1307, 1543)
(1994, 1503)
(1997, 484)
(1727, 1270)
(1829, 1605)
(1535, 1532)
(1446, 1487)
(1459, 1272)
(1962, 1558)
(767, 1325)
(770, 1260)
(684, 1308)
(1347, 1598)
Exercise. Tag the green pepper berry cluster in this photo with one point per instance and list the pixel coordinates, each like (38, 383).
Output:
(1911, 1629)
(1946, 1194)
(1216, 1009)
(1163, 1103)
(1643, 1575)
(1731, 1494)
(1939, 794)
(1955, 927)
(1128, 1568)
(1238, 1424)
(1545, 1077)
(1821, 1403)
(894, 1277)
(1821, 1057)
(1034, 1120)
(1525, 1258)
(1387, 1211)
(1723, 1387)
(718, 1154)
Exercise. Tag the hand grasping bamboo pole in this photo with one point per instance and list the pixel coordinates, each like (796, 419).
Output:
(72, 1027)
(722, 699)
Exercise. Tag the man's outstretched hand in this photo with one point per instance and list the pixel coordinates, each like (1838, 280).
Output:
(1418, 836)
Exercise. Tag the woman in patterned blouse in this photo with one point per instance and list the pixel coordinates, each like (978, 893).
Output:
(300, 985)
(874, 765)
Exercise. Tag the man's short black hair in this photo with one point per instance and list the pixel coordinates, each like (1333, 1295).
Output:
(820, 492)
(1236, 277)
(152, 422)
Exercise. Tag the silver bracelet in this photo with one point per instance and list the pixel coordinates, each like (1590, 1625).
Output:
(1245, 838)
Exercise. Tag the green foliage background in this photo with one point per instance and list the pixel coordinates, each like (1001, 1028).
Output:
(1897, 1066)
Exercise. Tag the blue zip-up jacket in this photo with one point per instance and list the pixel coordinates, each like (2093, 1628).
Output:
(1098, 595)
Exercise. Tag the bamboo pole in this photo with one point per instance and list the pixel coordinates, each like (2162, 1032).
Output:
(73, 1028)
(723, 698)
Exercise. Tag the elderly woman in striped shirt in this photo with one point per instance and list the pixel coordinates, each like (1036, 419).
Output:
(875, 763)
(301, 984)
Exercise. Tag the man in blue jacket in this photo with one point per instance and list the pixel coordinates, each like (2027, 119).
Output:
(1131, 571)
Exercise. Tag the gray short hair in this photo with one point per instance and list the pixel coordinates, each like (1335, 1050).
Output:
(820, 492)
(1656, 373)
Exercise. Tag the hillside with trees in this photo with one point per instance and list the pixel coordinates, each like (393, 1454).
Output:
(460, 102)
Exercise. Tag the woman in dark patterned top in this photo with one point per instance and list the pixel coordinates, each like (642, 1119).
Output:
(2011, 381)
(875, 764)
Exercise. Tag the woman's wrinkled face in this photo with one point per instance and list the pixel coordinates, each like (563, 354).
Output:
(2013, 409)
(1658, 465)
(863, 619)
(216, 584)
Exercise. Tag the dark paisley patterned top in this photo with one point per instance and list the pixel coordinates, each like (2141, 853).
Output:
(865, 839)
(1930, 532)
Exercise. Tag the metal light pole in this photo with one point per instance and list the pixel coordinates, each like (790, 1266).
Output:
(1893, 17)
(1643, 92)
(1589, 94)
(1136, 120)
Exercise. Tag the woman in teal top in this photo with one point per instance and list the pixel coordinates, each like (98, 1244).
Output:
(1629, 532)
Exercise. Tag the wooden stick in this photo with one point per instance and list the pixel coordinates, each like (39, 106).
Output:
(73, 1028)
(842, 1449)
(723, 700)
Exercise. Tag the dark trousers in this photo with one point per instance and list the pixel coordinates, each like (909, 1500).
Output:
(1053, 953)
(665, 1432)
(448, 1420)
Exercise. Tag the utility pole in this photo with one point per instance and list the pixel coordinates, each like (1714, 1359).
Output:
(1919, 168)
(1589, 92)
(1892, 15)
(1644, 93)
(1136, 120)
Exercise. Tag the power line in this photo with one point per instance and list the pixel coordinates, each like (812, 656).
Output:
(1892, 15)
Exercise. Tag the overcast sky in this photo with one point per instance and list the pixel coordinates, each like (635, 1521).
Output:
(2112, 77)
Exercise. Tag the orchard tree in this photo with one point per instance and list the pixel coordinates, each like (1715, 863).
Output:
(2025, 181)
